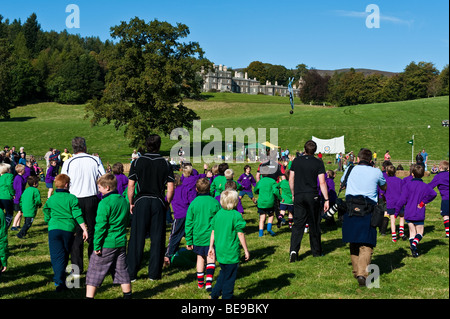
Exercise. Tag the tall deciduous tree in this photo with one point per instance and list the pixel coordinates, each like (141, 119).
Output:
(150, 72)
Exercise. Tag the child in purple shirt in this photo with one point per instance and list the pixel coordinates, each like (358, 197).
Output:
(392, 195)
(247, 181)
(122, 180)
(441, 181)
(415, 195)
(180, 204)
(19, 184)
(52, 171)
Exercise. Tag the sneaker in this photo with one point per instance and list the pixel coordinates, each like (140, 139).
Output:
(292, 257)
(271, 232)
(414, 252)
(14, 228)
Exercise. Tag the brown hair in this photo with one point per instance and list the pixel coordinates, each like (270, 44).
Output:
(202, 185)
(117, 168)
(418, 171)
(390, 170)
(108, 180)
(32, 180)
(310, 147)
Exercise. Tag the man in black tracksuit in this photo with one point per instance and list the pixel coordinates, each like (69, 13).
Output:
(149, 174)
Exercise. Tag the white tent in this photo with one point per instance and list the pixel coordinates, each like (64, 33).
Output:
(330, 146)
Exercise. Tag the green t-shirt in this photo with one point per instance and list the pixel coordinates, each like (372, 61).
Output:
(226, 225)
(30, 201)
(198, 220)
(113, 214)
(218, 185)
(286, 195)
(267, 189)
(6, 186)
(62, 211)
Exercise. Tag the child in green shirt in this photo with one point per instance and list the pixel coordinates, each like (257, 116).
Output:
(286, 203)
(7, 192)
(198, 231)
(267, 189)
(3, 244)
(62, 213)
(30, 201)
(227, 232)
(110, 239)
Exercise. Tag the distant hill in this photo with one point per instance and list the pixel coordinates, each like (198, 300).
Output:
(365, 71)
(331, 72)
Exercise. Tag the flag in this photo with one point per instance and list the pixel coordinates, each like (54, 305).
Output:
(411, 142)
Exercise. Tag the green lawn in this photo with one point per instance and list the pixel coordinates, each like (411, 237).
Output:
(268, 274)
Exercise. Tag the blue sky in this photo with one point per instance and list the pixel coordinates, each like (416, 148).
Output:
(326, 34)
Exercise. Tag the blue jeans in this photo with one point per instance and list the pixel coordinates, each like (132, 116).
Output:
(225, 282)
(59, 243)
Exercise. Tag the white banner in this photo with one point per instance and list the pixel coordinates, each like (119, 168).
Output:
(330, 146)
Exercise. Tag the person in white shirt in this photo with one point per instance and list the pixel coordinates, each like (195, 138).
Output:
(83, 170)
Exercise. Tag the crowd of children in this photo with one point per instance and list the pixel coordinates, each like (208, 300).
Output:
(207, 212)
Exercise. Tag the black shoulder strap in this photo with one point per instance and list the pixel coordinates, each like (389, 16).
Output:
(344, 183)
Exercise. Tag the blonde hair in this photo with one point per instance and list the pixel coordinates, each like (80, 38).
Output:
(229, 173)
(20, 168)
(187, 171)
(229, 199)
(4, 168)
(177, 180)
(215, 169)
(202, 185)
(108, 180)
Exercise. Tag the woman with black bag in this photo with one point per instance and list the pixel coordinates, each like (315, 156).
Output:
(358, 227)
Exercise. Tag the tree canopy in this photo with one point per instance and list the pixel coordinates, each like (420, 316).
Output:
(150, 73)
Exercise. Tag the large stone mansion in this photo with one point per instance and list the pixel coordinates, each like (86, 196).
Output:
(221, 80)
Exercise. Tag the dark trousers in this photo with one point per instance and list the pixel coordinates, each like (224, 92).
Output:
(306, 211)
(8, 206)
(149, 216)
(89, 207)
(59, 243)
(225, 282)
(176, 235)
(27, 224)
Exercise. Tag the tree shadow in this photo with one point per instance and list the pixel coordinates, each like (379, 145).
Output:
(272, 285)
(18, 119)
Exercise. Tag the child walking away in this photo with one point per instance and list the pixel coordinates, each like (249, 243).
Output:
(415, 195)
(218, 184)
(122, 180)
(110, 239)
(441, 180)
(286, 203)
(19, 184)
(62, 213)
(6, 192)
(180, 205)
(52, 171)
(3, 244)
(227, 232)
(30, 201)
(247, 181)
(267, 190)
(392, 195)
(198, 231)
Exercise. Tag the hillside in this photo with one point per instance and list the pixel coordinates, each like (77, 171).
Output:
(376, 126)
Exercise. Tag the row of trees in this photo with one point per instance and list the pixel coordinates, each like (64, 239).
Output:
(418, 80)
(139, 82)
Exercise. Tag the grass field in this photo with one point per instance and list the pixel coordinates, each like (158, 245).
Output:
(268, 274)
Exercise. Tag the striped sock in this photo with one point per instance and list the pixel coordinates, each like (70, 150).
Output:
(416, 240)
(446, 227)
(394, 237)
(401, 231)
(291, 221)
(200, 278)
(210, 268)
